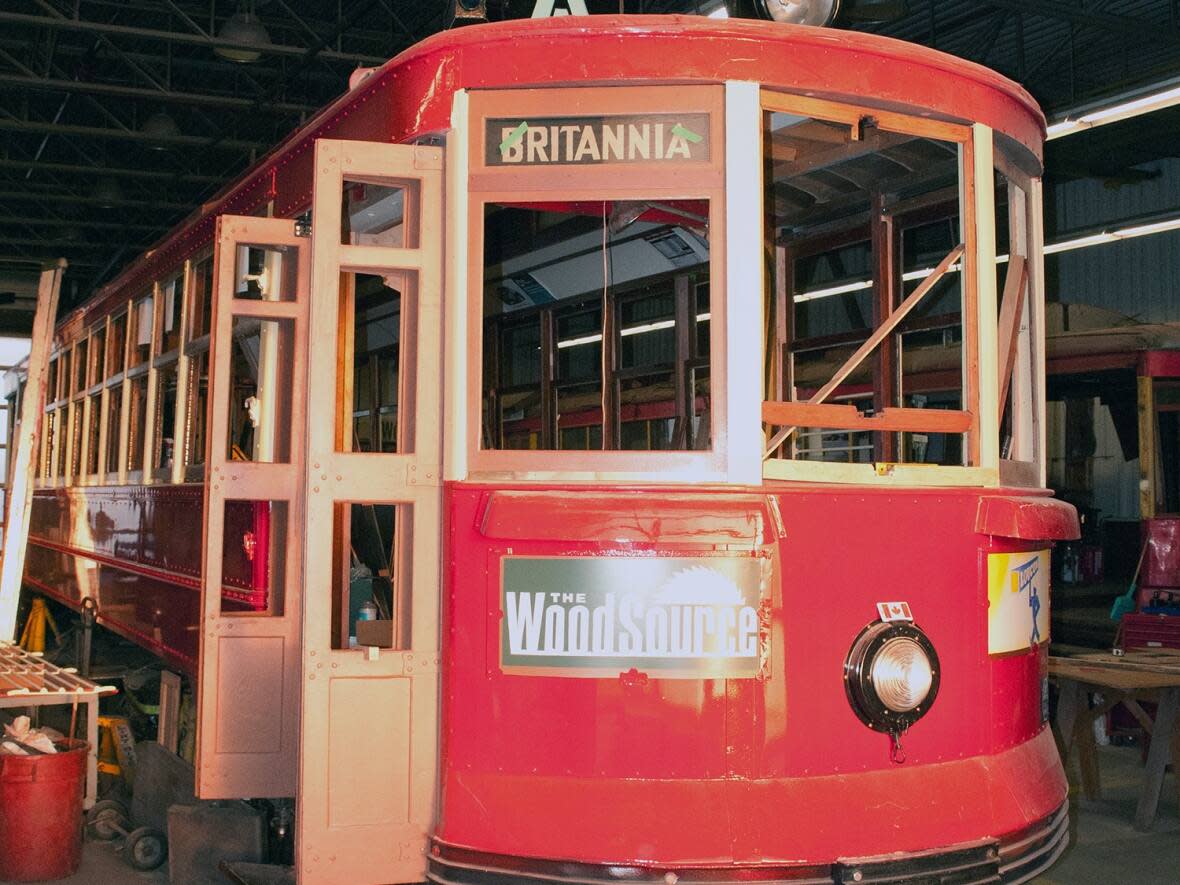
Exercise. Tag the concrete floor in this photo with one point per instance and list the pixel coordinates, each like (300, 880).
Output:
(1105, 848)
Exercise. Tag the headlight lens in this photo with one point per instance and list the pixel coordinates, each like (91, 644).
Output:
(891, 676)
(901, 674)
(800, 12)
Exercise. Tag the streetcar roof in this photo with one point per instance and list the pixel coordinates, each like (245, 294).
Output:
(410, 96)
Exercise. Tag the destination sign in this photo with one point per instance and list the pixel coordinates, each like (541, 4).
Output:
(670, 617)
(581, 141)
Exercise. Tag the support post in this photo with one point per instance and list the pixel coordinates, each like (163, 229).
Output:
(20, 497)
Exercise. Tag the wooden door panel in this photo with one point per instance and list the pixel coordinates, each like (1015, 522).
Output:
(368, 761)
(249, 667)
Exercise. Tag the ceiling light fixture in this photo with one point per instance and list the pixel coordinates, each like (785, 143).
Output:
(244, 29)
(1132, 104)
(161, 127)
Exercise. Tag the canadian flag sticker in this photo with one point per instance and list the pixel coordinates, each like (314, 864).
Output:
(894, 611)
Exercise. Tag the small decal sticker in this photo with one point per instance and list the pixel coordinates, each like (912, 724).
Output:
(894, 611)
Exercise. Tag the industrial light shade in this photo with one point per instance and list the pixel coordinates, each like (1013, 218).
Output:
(162, 127)
(799, 12)
(107, 193)
(243, 28)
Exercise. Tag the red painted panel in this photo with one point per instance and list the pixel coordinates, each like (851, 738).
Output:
(1161, 565)
(705, 771)
(160, 615)
(1160, 364)
(681, 517)
(158, 527)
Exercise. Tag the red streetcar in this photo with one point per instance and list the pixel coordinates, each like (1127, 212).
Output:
(673, 392)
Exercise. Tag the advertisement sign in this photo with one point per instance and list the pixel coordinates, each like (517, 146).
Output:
(669, 617)
(583, 141)
(1018, 601)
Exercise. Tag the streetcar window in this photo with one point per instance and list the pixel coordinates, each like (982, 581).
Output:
(168, 335)
(118, 345)
(372, 308)
(859, 220)
(1016, 292)
(197, 408)
(262, 364)
(114, 433)
(51, 434)
(370, 576)
(141, 331)
(64, 378)
(265, 273)
(76, 416)
(137, 422)
(201, 298)
(163, 449)
(81, 364)
(51, 382)
(93, 428)
(375, 214)
(254, 557)
(98, 340)
(596, 332)
(59, 450)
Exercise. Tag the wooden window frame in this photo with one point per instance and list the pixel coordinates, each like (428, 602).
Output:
(977, 232)
(115, 388)
(177, 357)
(191, 350)
(485, 185)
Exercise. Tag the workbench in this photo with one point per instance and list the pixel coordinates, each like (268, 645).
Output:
(28, 680)
(1148, 674)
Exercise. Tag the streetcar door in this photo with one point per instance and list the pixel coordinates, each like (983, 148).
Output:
(368, 757)
(248, 711)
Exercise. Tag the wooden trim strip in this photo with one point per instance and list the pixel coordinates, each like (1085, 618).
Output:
(134, 568)
(853, 115)
(1011, 310)
(846, 417)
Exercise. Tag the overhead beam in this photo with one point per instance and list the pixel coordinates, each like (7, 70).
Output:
(37, 260)
(34, 197)
(93, 27)
(1132, 27)
(236, 144)
(212, 65)
(82, 225)
(53, 84)
(60, 245)
(117, 172)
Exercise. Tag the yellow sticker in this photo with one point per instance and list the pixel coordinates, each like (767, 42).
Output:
(1018, 600)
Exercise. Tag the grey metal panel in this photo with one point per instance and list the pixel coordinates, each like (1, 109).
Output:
(1139, 277)
(1087, 203)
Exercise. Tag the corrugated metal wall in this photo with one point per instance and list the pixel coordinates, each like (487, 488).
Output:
(1139, 277)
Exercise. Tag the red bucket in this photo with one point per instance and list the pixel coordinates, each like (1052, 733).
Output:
(41, 813)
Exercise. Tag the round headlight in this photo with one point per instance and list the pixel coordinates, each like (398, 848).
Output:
(800, 12)
(891, 676)
(901, 674)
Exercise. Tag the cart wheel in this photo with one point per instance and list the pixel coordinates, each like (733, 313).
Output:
(106, 820)
(146, 848)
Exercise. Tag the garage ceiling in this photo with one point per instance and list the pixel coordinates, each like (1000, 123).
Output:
(117, 118)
